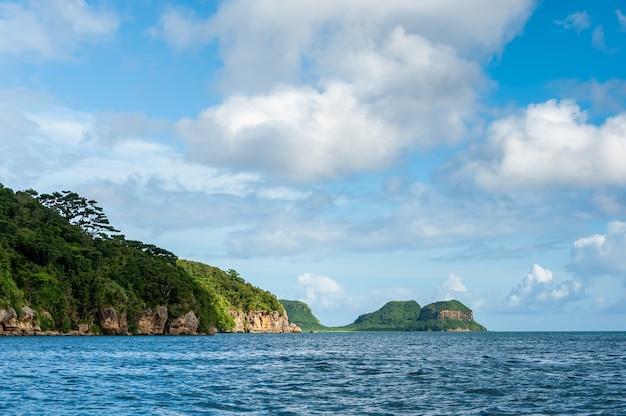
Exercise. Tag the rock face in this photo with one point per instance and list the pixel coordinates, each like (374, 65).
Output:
(447, 314)
(263, 322)
(111, 323)
(152, 322)
(185, 325)
(10, 324)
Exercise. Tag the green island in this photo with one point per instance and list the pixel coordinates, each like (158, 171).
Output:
(394, 316)
(65, 270)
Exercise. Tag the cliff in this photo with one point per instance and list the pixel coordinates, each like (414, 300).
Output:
(263, 322)
(62, 271)
(452, 309)
(152, 322)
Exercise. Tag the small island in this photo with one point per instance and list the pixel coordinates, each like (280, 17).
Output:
(449, 315)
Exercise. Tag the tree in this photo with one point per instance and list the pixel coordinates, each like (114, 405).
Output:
(80, 211)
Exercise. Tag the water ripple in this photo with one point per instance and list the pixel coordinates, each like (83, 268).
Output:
(316, 374)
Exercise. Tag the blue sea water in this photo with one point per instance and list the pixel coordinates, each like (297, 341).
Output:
(383, 373)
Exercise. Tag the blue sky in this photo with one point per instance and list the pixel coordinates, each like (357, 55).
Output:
(344, 153)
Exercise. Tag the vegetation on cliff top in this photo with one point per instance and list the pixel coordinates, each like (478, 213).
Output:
(300, 314)
(58, 254)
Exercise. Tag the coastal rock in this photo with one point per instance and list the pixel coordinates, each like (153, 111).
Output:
(111, 323)
(447, 314)
(8, 319)
(263, 322)
(27, 323)
(152, 322)
(185, 325)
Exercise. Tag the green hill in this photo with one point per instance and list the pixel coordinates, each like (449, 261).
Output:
(397, 316)
(300, 314)
(394, 315)
(59, 256)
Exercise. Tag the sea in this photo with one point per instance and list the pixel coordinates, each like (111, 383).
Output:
(349, 373)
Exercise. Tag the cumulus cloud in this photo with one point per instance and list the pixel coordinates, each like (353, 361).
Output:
(578, 21)
(600, 254)
(52, 29)
(409, 94)
(451, 288)
(320, 90)
(549, 144)
(319, 291)
(539, 292)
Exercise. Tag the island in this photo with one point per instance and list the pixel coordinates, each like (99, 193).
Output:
(450, 316)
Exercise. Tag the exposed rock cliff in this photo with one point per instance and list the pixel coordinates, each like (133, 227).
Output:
(447, 314)
(185, 325)
(11, 324)
(112, 323)
(263, 322)
(152, 322)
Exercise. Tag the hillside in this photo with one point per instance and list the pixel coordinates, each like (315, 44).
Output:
(397, 316)
(63, 269)
(394, 315)
(300, 314)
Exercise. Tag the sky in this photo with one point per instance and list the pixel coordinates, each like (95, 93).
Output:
(344, 153)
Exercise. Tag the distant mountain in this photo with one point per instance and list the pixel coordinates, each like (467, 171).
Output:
(395, 316)
(300, 314)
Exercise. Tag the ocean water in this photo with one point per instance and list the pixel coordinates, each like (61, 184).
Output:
(384, 373)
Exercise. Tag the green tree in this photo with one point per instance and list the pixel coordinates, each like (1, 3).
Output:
(80, 211)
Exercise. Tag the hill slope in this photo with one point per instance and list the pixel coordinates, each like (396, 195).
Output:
(61, 270)
(396, 316)
(300, 314)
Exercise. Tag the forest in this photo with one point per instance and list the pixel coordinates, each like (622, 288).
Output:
(60, 256)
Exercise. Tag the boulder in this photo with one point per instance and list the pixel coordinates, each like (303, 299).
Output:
(8, 320)
(111, 323)
(185, 325)
(152, 322)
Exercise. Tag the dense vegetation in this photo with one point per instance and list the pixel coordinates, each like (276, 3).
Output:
(393, 316)
(58, 254)
(408, 316)
(300, 314)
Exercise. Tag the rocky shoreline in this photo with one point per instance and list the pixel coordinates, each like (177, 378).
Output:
(153, 321)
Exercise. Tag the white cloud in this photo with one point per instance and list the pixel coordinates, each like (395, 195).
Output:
(319, 90)
(540, 293)
(603, 97)
(621, 19)
(451, 288)
(408, 94)
(598, 40)
(51, 29)
(319, 291)
(549, 144)
(181, 29)
(578, 21)
(601, 254)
